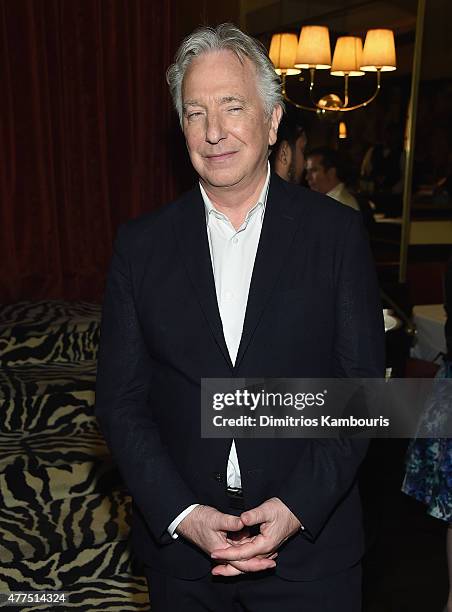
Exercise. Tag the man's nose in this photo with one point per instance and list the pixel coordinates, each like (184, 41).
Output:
(214, 129)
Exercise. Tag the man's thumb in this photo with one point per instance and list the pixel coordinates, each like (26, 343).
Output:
(233, 523)
(252, 517)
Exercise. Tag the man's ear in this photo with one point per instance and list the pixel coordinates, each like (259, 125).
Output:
(275, 119)
(285, 153)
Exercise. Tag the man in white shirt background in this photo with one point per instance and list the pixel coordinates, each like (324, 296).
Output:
(324, 174)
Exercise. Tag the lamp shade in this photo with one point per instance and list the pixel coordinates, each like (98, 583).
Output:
(314, 49)
(347, 56)
(283, 49)
(379, 51)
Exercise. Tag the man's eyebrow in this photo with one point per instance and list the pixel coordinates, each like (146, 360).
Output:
(234, 98)
(222, 100)
(190, 103)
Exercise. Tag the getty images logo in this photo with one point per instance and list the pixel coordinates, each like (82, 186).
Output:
(242, 398)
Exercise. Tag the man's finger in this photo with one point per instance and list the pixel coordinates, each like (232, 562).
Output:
(255, 516)
(243, 535)
(240, 567)
(229, 522)
(241, 552)
(225, 570)
(238, 542)
(256, 564)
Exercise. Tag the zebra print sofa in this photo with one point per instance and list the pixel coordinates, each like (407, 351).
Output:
(64, 512)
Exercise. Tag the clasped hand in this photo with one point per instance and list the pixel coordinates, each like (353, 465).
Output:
(227, 539)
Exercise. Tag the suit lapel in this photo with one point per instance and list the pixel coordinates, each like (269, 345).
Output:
(282, 217)
(191, 235)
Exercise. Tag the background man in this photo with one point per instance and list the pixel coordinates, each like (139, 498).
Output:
(324, 174)
(245, 276)
(287, 158)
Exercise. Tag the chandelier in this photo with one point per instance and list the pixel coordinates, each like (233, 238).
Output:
(312, 51)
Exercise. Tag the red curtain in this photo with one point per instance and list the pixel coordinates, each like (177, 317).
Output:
(85, 131)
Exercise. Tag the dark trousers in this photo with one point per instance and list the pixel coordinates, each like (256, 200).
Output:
(260, 592)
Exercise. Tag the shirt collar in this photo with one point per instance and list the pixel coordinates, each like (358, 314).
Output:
(261, 202)
(336, 190)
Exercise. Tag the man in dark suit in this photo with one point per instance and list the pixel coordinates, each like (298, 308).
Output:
(245, 276)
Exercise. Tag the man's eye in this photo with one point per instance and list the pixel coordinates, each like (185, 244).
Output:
(194, 115)
(235, 109)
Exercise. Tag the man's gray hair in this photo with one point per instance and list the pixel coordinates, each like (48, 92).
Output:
(225, 37)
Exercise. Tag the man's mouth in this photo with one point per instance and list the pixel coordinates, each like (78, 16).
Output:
(220, 157)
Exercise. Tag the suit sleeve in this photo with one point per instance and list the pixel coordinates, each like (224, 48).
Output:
(327, 468)
(122, 404)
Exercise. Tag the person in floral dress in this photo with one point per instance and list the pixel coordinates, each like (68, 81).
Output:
(428, 476)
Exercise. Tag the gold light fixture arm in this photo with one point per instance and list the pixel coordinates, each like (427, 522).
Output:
(345, 90)
(345, 108)
(342, 109)
(296, 104)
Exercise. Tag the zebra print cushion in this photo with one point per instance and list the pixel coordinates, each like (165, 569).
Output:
(119, 594)
(36, 531)
(65, 568)
(34, 332)
(44, 395)
(68, 443)
(64, 511)
(63, 505)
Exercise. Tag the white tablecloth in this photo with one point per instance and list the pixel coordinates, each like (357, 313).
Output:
(429, 320)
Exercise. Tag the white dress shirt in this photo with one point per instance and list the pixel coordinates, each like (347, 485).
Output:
(232, 253)
(343, 195)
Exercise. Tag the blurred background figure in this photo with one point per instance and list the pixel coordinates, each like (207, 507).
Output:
(324, 173)
(382, 170)
(382, 166)
(287, 158)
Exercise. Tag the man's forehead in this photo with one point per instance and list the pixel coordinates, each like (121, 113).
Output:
(218, 56)
(315, 161)
(223, 67)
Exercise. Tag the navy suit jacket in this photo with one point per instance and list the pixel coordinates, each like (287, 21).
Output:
(313, 311)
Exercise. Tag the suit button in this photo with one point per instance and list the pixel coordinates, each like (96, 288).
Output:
(218, 477)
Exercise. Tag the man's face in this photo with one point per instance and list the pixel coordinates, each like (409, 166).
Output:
(318, 178)
(297, 162)
(225, 127)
